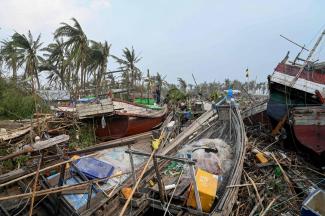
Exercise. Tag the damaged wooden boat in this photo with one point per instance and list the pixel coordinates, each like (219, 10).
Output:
(129, 119)
(116, 118)
(309, 127)
(296, 103)
(217, 129)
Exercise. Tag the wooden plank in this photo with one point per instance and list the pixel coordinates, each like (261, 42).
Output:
(87, 110)
(14, 134)
(50, 142)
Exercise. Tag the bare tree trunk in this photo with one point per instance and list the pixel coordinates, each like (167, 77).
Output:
(14, 72)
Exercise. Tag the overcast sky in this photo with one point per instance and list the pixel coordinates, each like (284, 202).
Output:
(213, 39)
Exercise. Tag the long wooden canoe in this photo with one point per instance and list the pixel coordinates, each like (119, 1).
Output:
(224, 123)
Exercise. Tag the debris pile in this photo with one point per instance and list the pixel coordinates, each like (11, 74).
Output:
(275, 181)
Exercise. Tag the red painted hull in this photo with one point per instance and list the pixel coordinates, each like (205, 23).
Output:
(309, 127)
(311, 136)
(121, 126)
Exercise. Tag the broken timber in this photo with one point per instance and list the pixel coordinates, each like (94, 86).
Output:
(38, 146)
(90, 110)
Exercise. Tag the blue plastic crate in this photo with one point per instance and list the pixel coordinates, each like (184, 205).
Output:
(93, 168)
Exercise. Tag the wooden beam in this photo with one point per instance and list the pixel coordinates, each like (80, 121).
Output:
(41, 170)
(159, 180)
(102, 146)
(180, 160)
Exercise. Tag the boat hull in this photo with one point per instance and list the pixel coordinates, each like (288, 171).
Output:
(120, 126)
(309, 127)
(300, 104)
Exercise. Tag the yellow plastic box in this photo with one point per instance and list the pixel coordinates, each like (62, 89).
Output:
(261, 158)
(207, 184)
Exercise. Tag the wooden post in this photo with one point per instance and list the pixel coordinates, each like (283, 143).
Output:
(60, 184)
(90, 192)
(132, 165)
(160, 183)
(62, 174)
(196, 190)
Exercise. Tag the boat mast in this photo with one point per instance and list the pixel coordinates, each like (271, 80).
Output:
(308, 58)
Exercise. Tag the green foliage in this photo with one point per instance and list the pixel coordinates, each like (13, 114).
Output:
(8, 165)
(21, 160)
(30, 48)
(175, 95)
(81, 138)
(15, 103)
(12, 163)
(182, 84)
(214, 96)
(131, 73)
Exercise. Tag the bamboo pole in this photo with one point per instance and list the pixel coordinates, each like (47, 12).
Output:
(268, 207)
(286, 178)
(255, 188)
(57, 189)
(137, 184)
(34, 187)
(243, 185)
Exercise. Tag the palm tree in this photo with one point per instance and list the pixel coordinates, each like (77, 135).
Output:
(29, 47)
(11, 57)
(77, 42)
(128, 65)
(160, 81)
(182, 84)
(1, 62)
(55, 63)
(98, 59)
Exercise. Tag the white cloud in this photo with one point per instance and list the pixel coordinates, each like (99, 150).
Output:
(44, 16)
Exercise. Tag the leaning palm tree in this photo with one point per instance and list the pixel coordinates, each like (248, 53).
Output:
(128, 65)
(77, 42)
(11, 57)
(55, 63)
(98, 58)
(30, 48)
